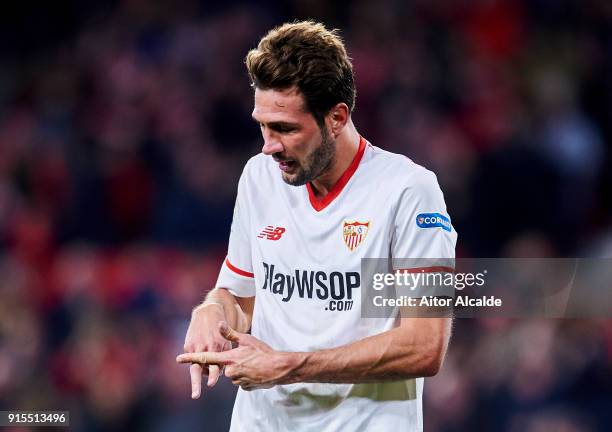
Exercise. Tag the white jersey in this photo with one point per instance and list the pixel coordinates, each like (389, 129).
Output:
(300, 257)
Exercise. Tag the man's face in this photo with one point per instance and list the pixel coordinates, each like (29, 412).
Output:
(292, 136)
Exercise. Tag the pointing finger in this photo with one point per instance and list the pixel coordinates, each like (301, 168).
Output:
(206, 357)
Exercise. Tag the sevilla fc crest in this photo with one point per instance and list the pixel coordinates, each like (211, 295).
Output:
(354, 233)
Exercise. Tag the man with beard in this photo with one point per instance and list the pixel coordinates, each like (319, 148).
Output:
(292, 276)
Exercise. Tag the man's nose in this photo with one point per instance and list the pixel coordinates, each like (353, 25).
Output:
(271, 144)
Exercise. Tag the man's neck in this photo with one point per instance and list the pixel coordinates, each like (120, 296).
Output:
(347, 144)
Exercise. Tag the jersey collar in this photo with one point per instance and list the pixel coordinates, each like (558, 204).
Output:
(320, 204)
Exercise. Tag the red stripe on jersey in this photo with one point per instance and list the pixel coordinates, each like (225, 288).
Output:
(432, 269)
(237, 270)
(320, 204)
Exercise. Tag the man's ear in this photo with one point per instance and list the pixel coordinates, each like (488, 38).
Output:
(338, 118)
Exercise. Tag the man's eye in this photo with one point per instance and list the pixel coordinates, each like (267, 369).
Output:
(278, 128)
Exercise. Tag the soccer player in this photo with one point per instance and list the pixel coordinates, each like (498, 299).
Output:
(317, 200)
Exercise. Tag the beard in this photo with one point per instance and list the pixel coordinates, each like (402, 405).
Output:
(315, 164)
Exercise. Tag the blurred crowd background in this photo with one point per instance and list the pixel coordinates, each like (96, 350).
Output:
(124, 127)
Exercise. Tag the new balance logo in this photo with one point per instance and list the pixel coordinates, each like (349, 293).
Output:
(272, 233)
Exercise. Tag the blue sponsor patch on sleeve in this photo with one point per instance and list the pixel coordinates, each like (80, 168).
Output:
(433, 220)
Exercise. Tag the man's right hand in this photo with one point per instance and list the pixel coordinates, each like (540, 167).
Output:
(203, 335)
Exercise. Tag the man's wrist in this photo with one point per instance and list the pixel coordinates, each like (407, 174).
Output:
(207, 303)
(291, 364)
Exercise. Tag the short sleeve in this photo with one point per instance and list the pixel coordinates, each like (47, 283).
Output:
(423, 228)
(236, 273)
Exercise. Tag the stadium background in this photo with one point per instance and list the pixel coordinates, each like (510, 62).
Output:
(123, 130)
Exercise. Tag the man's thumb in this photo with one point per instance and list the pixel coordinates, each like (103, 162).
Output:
(229, 333)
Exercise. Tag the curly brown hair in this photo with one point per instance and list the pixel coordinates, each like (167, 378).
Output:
(306, 55)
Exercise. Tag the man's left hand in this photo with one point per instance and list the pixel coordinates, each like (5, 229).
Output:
(251, 365)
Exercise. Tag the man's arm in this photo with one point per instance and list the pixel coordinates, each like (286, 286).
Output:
(203, 332)
(414, 349)
(238, 311)
(221, 305)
